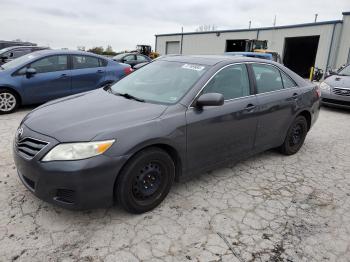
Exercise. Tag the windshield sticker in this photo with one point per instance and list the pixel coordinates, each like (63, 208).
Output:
(173, 98)
(193, 67)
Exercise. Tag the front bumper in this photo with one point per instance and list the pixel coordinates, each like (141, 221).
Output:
(81, 184)
(331, 99)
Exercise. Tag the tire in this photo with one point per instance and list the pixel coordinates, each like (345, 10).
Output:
(9, 101)
(145, 180)
(295, 136)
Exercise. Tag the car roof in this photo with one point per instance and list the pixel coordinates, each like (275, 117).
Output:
(65, 52)
(210, 60)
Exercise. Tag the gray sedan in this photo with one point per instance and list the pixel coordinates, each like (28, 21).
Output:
(336, 89)
(176, 117)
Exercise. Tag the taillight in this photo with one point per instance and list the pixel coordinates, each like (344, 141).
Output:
(128, 70)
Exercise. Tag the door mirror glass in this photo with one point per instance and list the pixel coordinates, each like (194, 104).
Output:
(30, 71)
(210, 99)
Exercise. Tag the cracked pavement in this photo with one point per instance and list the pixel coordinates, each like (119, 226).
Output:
(267, 208)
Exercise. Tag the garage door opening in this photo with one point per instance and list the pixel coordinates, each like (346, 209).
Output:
(236, 45)
(300, 54)
(172, 48)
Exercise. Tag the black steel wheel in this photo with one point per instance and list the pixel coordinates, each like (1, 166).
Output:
(295, 136)
(145, 180)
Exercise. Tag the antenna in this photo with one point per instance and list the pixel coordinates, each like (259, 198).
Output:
(316, 15)
(274, 21)
(250, 24)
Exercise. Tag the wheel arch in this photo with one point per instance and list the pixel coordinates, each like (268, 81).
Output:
(9, 88)
(305, 113)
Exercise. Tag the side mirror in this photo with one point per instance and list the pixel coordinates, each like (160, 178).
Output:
(30, 72)
(210, 99)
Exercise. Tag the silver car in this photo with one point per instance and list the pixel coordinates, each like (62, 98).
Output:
(335, 90)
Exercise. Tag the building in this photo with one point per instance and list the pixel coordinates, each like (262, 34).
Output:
(4, 44)
(321, 44)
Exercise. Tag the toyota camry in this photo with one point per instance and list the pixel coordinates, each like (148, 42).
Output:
(174, 118)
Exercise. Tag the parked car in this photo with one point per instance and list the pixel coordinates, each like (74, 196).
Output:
(131, 141)
(266, 56)
(13, 52)
(132, 59)
(45, 75)
(336, 89)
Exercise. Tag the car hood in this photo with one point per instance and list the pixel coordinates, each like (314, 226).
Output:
(82, 117)
(338, 81)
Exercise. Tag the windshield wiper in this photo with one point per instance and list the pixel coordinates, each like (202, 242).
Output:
(128, 96)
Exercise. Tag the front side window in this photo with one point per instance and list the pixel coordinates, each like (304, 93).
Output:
(82, 61)
(141, 58)
(161, 82)
(129, 58)
(19, 52)
(50, 64)
(268, 78)
(232, 82)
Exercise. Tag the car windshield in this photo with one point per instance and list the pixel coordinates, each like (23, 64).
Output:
(160, 81)
(18, 61)
(345, 71)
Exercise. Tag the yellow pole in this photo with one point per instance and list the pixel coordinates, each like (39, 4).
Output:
(311, 73)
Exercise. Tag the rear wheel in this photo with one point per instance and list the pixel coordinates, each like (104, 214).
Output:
(145, 181)
(8, 101)
(295, 136)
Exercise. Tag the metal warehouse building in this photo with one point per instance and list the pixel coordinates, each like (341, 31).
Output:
(321, 44)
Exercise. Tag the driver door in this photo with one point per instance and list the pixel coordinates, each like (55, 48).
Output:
(216, 134)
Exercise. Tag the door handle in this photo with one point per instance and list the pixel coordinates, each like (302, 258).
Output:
(63, 76)
(250, 107)
(99, 71)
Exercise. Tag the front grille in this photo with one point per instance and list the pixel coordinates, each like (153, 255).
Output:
(65, 195)
(29, 147)
(341, 91)
(337, 102)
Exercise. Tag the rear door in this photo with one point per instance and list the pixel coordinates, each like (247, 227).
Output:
(218, 133)
(278, 97)
(88, 73)
(52, 79)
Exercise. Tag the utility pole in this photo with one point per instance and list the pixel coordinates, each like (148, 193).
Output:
(316, 15)
(182, 38)
(274, 21)
(250, 24)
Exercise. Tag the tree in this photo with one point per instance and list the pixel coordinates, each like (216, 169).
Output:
(96, 50)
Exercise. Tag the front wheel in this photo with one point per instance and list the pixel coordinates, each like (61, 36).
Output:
(295, 136)
(8, 101)
(145, 180)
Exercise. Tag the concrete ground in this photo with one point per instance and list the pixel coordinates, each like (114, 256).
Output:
(267, 208)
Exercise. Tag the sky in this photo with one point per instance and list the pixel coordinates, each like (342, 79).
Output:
(124, 24)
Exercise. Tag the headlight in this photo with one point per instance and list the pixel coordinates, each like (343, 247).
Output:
(325, 87)
(77, 151)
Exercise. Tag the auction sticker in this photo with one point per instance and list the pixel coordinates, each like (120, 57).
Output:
(193, 67)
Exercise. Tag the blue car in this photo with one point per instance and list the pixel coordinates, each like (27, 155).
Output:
(266, 56)
(49, 74)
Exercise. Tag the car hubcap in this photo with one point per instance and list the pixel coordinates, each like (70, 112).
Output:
(7, 102)
(296, 135)
(147, 182)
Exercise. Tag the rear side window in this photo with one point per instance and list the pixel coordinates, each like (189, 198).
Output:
(103, 62)
(81, 61)
(51, 64)
(287, 81)
(232, 82)
(268, 78)
(129, 58)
